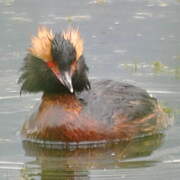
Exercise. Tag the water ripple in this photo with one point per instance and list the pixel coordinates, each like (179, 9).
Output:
(11, 165)
(163, 92)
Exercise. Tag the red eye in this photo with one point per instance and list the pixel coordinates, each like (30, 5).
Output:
(54, 68)
(51, 64)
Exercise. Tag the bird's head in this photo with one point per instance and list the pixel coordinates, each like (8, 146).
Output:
(62, 62)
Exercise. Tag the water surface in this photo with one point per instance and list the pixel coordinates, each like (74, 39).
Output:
(126, 40)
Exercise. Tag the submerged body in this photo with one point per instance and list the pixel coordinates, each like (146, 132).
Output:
(110, 111)
(73, 109)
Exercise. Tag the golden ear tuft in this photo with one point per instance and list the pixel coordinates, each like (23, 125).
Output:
(73, 35)
(41, 44)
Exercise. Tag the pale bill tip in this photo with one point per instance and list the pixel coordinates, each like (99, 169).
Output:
(71, 90)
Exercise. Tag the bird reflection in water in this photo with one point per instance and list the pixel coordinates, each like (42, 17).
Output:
(57, 162)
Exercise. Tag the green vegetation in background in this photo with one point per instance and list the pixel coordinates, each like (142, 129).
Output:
(156, 68)
(177, 72)
(7, 2)
(100, 1)
(167, 109)
(159, 67)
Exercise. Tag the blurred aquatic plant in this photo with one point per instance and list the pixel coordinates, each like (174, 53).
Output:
(69, 19)
(7, 2)
(159, 67)
(167, 109)
(72, 18)
(177, 72)
(133, 67)
(156, 67)
(100, 1)
(177, 57)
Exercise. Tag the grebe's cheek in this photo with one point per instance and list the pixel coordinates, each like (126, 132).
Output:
(63, 77)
